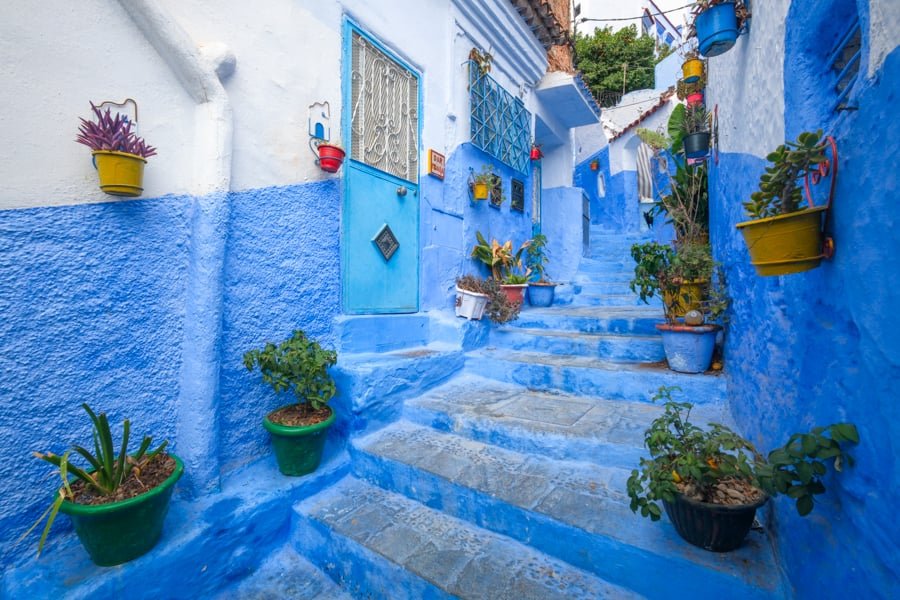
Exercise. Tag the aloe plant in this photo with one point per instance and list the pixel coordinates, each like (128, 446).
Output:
(107, 470)
(112, 134)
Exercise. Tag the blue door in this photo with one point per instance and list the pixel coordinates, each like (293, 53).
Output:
(380, 234)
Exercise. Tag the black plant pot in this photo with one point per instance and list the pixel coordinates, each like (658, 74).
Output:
(696, 145)
(715, 527)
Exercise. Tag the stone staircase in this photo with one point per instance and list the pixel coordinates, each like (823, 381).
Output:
(484, 463)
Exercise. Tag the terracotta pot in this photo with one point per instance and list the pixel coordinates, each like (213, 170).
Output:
(515, 293)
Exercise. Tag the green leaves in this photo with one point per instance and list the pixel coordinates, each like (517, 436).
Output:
(298, 364)
(600, 57)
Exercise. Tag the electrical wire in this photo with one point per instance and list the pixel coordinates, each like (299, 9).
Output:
(662, 12)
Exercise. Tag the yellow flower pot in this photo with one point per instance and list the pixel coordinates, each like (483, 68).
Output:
(692, 70)
(121, 174)
(785, 244)
(480, 191)
(689, 296)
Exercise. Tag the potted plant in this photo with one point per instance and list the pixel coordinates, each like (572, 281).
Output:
(696, 128)
(540, 290)
(471, 297)
(711, 480)
(716, 24)
(682, 277)
(118, 502)
(298, 365)
(484, 182)
(329, 156)
(119, 154)
(496, 305)
(692, 67)
(782, 237)
(503, 264)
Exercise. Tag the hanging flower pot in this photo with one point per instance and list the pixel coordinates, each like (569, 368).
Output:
(696, 145)
(536, 153)
(785, 244)
(717, 29)
(120, 173)
(695, 98)
(480, 191)
(330, 157)
(595, 165)
(692, 70)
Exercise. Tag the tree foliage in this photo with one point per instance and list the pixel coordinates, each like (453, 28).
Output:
(600, 57)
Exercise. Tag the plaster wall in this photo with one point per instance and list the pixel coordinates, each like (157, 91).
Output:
(818, 347)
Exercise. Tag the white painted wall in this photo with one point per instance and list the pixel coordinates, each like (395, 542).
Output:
(54, 61)
(884, 31)
(747, 83)
(288, 55)
(622, 159)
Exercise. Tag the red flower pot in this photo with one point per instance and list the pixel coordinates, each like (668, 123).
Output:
(330, 157)
(514, 293)
(536, 153)
(695, 98)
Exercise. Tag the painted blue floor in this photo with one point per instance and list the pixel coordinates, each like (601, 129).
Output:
(485, 462)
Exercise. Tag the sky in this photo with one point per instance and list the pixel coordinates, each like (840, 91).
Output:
(626, 8)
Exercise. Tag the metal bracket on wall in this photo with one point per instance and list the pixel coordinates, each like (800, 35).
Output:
(827, 170)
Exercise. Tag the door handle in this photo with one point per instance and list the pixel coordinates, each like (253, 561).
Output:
(401, 191)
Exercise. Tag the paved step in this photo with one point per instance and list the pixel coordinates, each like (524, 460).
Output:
(591, 376)
(640, 320)
(381, 544)
(644, 348)
(575, 511)
(285, 574)
(626, 299)
(588, 286)
(554, 425)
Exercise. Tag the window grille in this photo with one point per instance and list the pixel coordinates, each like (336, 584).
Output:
(844, 63)
(500, 124)
(384, 127)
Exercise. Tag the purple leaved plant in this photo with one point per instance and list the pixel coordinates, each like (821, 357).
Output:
(112, 133)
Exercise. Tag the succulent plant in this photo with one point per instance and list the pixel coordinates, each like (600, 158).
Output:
(112, 134)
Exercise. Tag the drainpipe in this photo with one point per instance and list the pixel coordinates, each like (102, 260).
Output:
(201, 72)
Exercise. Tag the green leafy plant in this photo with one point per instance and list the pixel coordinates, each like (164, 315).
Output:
(517, 278)
(687, 202)
(298, 365)
(498, 257)
(696, 119)
(107, 471)
(662, 269)
(486, 176)
(779, 192)
(713, 463)
(655, 139)
(537, 256)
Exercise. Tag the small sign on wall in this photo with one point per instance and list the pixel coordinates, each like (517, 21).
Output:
(436, 163)
(517, 194)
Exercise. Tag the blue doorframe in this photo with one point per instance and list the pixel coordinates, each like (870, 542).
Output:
(371, 283)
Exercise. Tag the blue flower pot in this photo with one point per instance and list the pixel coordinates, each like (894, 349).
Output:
(717, 29)
(541, 295)
(689, 349)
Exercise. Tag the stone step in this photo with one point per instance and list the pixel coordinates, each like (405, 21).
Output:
(589, 286)
(285, 574)
(591, 376)
(626, 299)
(640, 320)
(381, 544)
(591, 266)
(575, 511)
(643, 348)
(554, 425)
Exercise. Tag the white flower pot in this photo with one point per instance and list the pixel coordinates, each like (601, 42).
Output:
(470, 304)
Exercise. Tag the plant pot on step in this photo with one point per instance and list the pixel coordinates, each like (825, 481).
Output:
(715, 527)
(117, 532)
(515, 293)
(784, 244)
(120, 173)
(689, 296)
(717, 29)
(541, 293)
(470, 305)
(298, 449)
(689, 348)
(696, 145)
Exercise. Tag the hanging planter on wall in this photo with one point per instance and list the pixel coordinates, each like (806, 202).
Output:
(119, 154)
(692, 69)
(695, 98)
(717, 24)
(781, 237)
(329, 157)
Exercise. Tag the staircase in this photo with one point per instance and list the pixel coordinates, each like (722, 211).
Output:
(508, 480)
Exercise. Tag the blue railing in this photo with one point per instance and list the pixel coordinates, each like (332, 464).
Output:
(500, 124)
(844, 63)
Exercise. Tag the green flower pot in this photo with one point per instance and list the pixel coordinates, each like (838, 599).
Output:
(298, 449)
(121, 531)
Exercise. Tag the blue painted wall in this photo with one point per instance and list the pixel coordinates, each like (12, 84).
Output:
(820, 347)
(92, 298)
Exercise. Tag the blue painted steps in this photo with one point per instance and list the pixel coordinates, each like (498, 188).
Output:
(381, 544)
(617, 347)
(285, 574)
(590, 376)
(640, 320)
(573, 510)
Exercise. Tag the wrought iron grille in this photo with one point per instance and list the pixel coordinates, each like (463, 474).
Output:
(384, 124)
(844, 63)
(501, 126)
